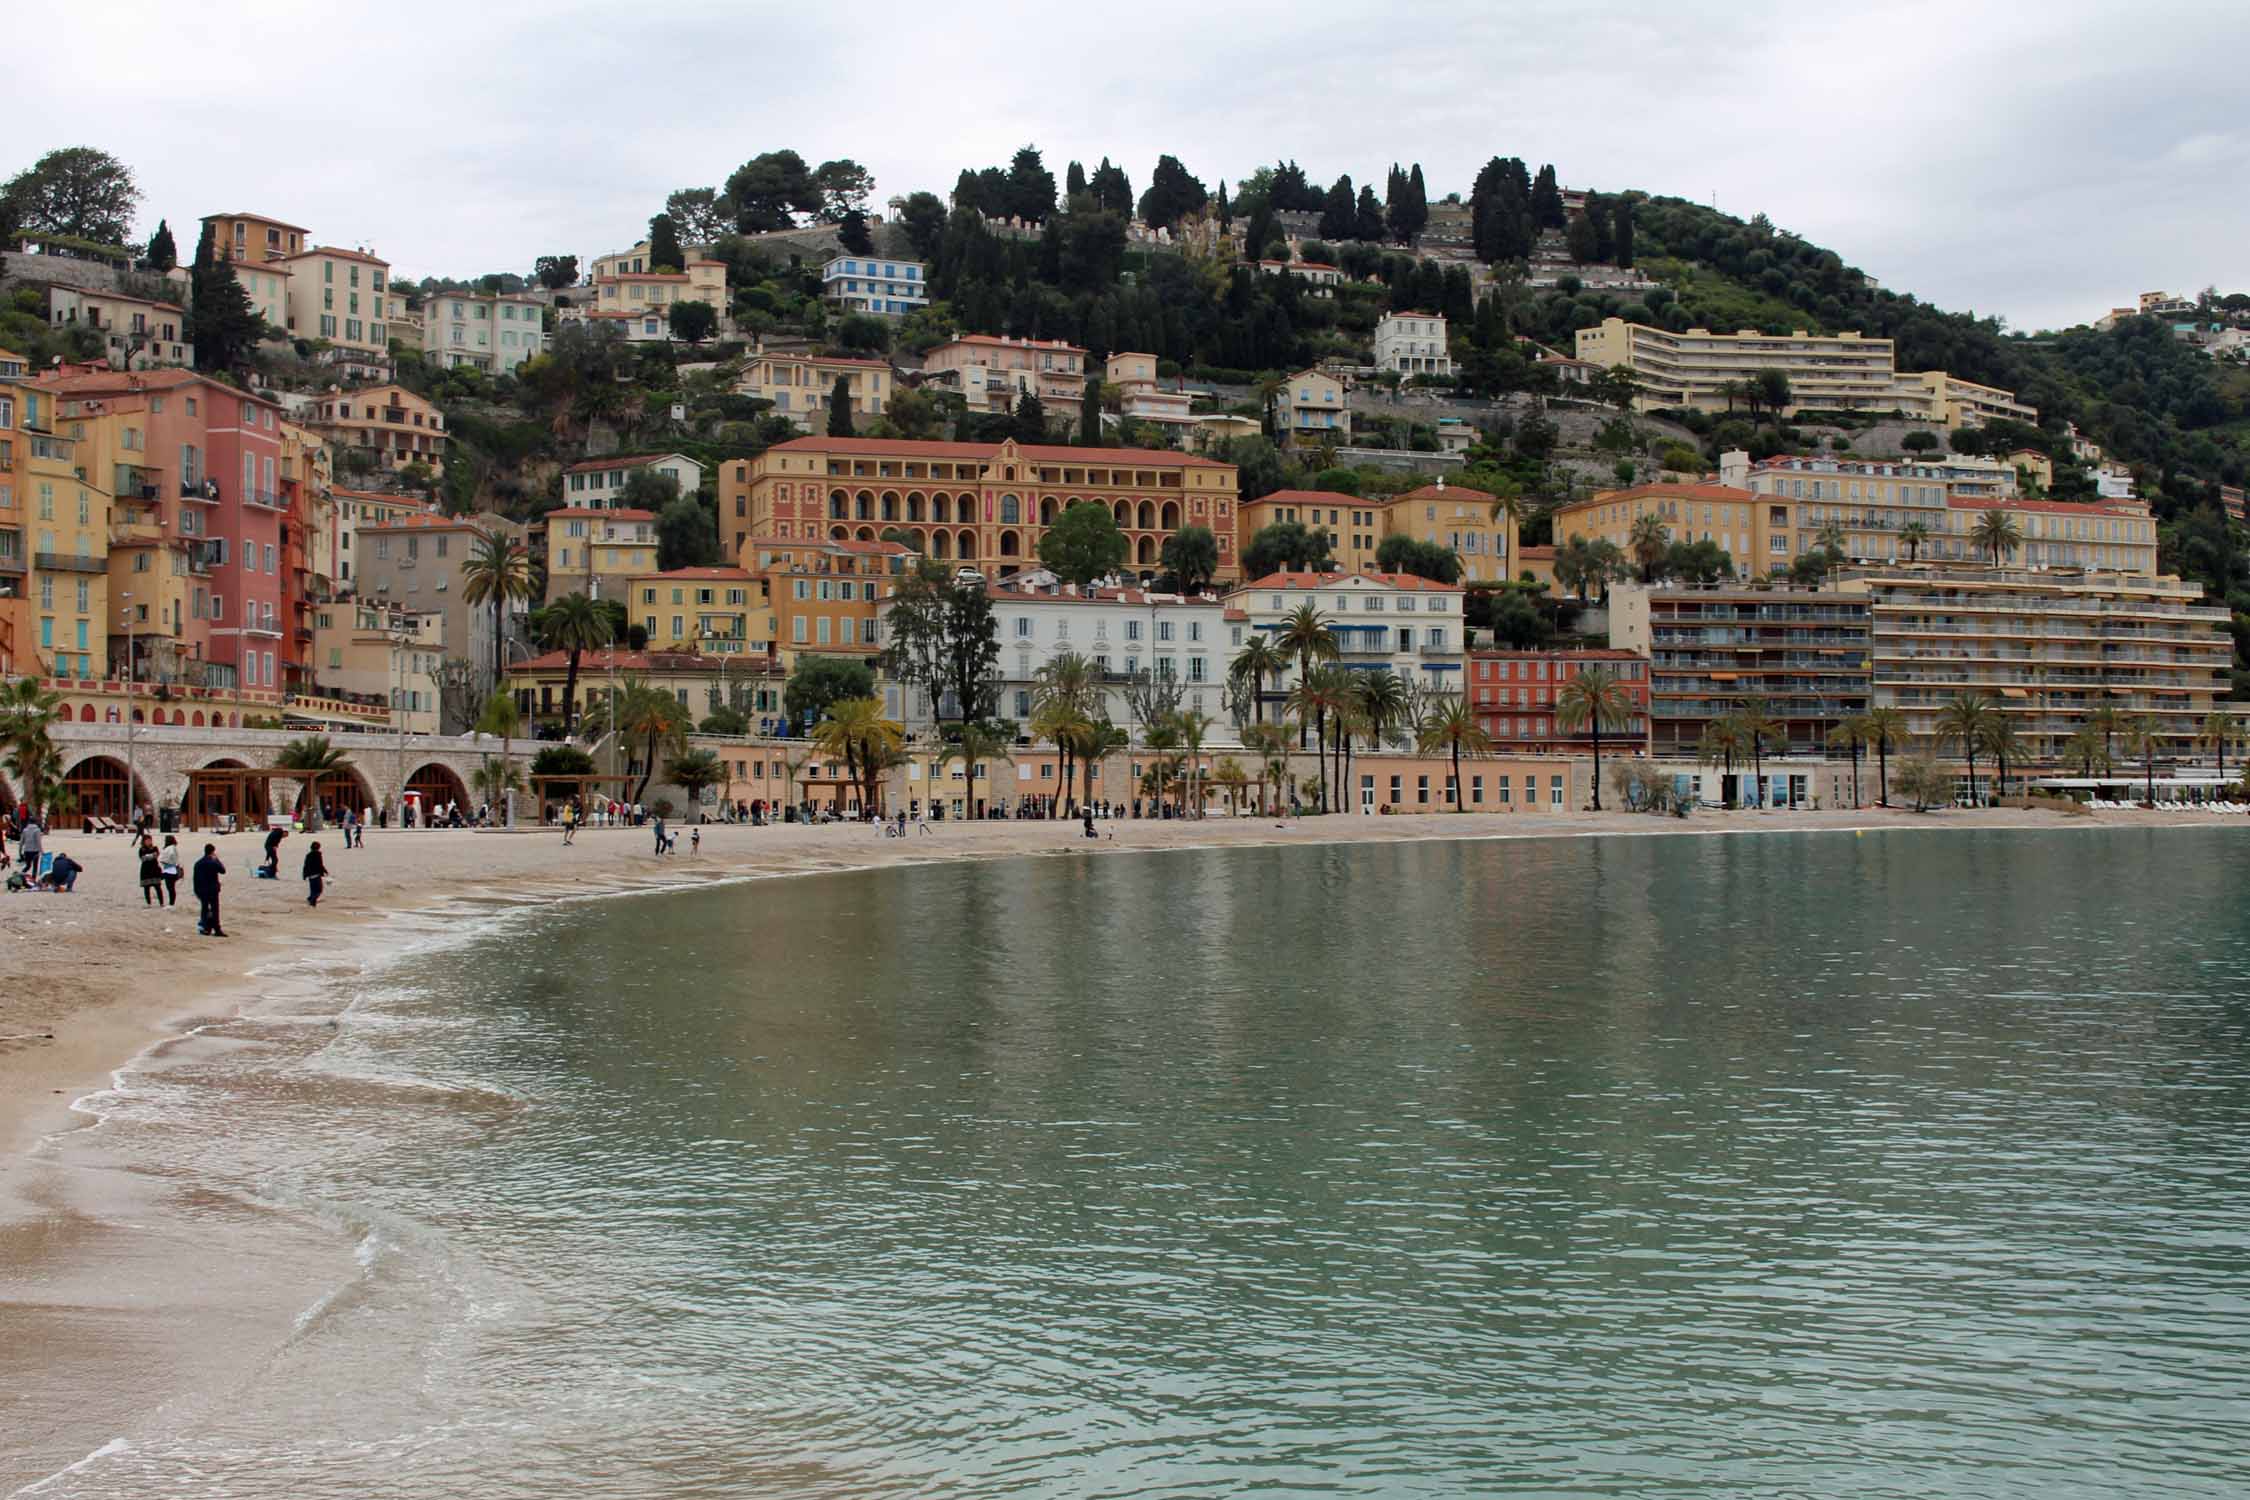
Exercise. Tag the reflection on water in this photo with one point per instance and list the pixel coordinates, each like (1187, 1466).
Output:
(1901, 1165)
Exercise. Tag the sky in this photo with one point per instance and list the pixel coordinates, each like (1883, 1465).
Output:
(2038, 160)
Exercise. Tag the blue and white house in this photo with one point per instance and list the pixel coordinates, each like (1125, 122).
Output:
(874, 284)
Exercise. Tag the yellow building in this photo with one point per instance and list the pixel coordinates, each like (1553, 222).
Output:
(1448, 516)
(700, 280)
(825, 598)
(375, 654)
(137, 334)
(715, 611)
(254, 237)
(1311, 410)
(340, 296)
(1706, 371)
(800, 384)
(390, 421)
(1758, 533)
(148, 570)
(67, 517)
(16, 631)
(598, 552)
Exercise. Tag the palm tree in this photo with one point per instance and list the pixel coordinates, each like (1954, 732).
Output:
(1719, 744)
(1886, 731)
(503, 717)
(494, 779)
(2087, 753)
(1270, 743)
(2107, 721)
(318, 759)
(1646, 541)
(1966, 717)
(694, 772)
(1305, 636)
(1258, 660)
(1594, 699)
(576, 624)
(26, 711)
(1850, 736)
(2143, 736)
(1382, 699)
(1347, 721)
(1192, 727)
(1317, 698)
(1916, 536)
(1760, 732)
(2219, 730)
(1161, 740)
(973, 745)
(1233, 779)
(496, 572)
(1062, 723)
(638, 710)
(855, 729)
(1996, 532)
(2003, 744)
(1069, 679)
(1103, 739)
(1453, 725)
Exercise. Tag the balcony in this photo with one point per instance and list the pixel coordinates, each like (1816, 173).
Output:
(11, 564)
(266, 499)
(201, 491)
(64, 562)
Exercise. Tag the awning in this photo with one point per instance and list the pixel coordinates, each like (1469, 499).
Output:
(1722, 676)
(2009, 692)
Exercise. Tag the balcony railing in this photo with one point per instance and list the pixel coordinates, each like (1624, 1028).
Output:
(202, 491)
(266, 498)
(65, 562)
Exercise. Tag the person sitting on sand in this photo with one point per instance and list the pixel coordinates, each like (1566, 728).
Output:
(62, 873)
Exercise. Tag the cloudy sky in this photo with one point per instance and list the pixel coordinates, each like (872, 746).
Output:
(2037, 159)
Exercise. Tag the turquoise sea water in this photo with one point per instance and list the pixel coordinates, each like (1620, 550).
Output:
(1898, 1165)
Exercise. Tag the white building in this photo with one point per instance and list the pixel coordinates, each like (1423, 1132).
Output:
(493, 333)
(1123, 631)
(1410, 625)
(1139, 397)
(1412, 343)
(1321, 279)
(599, 483)
(873, 284)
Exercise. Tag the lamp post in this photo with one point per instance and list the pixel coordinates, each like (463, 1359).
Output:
(509, 791)
(132, 801)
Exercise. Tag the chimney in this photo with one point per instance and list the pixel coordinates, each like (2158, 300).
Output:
(1441, 481)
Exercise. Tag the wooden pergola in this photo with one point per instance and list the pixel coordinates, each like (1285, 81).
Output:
(239, 792)
(575, 785)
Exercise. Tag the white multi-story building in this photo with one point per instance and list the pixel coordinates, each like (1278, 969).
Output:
(1398, 621)
(494, 333)
(874, 284)
(599, 483)
(1123, 632)
(1412, 343)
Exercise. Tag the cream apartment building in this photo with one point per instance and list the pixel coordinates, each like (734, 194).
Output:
(494, 333)
(799, 385)
(340, 296)
(1412, 343)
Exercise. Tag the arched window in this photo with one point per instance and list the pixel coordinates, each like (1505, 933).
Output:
(915, 510)
(966, 545)
(1009, 545)
(890, 505)
(835, 505)
(941, 544)
(1148, 516)
(941, 509)
(1047, 511)
(1011, 510)
(1171, 519)
(1124, 513)
(865, 510)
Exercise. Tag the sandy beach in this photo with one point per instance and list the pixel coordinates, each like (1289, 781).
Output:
(102, 976)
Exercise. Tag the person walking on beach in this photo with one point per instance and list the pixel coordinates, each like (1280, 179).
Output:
(207, 873)
(168, 862)
(31, 844)
(570, 823)
(660, 833)
(152, 875)
(316, 874)
(695, 841)
(272, 868)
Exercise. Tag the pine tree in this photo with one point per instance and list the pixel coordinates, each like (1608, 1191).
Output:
(221, 323)
(163, 255)
(1337, 218)
(1031, 419)
(1074, 182)
(1621, 235)
(664, 253)
(1597, 210)
(840, 408)
(852, 233)
(1370, 217)
(1546, 201)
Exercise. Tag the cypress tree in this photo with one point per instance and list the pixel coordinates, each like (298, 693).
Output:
(1031, 419)
(1226, 214)
(664, 253)
(1337, 214)
(1546, 201)
(1621, 235)
(840, 408)
(1090, 414)
(1074, 181)
(1369, 216)
(163, 255)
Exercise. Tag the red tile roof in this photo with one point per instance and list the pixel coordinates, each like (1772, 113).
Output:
(1038, 452)
(732, 575)
(1007, 343)
(1094, 596)
(1407, 581)
(2130, 510)
(1307, 497)
(261, 218)
(1589, 653)
(823, 359)
(629, 513)
(1671, 492)
(431, 522)
(622, 461)
(636, 661)
(1446, 492)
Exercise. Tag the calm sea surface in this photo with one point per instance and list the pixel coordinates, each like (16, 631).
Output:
(1800, 1165)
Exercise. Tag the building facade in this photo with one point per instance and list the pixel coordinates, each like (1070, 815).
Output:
(494, 333)
(1124, 633)
(1312, 410)
(600, 483)
(1397, 622)
(1412, 343)
(416, 563)
(824, 598)
(1803, 654)
(339, 296)
(983, 504)
(388, 422)
(598, 551)
(875, 284)
(137, 334)
(254, 237)
(1515, 696)
(1053, 371)
(800, 385)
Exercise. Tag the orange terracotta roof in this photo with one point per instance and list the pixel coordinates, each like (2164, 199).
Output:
(735, 575)
(824, 359)
(900, 448)
(1670, 492)
(2131, 510)
(629, 513)
(431, 522)
(623, 461)
(1589, 653)
(1446, 492)
(1407, 581)
(261, 218)
(1307, 497)
(594, 662)
(1007, 343)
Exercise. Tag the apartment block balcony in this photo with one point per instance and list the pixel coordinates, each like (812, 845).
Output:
(11, 564)
(66, 562)
(201, 491)
(264, 499)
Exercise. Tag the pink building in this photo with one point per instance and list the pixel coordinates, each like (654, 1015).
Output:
(202, 486)
(1050, 369)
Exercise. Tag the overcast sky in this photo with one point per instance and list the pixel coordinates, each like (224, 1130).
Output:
(2038, 159)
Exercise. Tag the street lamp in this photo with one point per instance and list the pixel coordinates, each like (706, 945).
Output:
(132, 801)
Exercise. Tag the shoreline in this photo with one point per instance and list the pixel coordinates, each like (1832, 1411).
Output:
(121, 989)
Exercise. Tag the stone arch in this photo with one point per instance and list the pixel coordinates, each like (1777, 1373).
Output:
(941, 543)
(1144, 550)
(915, 509)
(344, 787)
(863, 506)
(837, 501)
(890, 505)
(99, 785)
(197, 721)
(1147, 516)
(1124, 513)
(965, 546)
(865, 534)
(839, 533)
(1010, 544)
(437, 783)
(941, 508)
(1047, 511)
(86, 714)
(1169, 518)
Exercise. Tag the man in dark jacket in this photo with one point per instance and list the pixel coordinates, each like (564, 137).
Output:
(272, 870)
(207, 873)
(316, 874)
